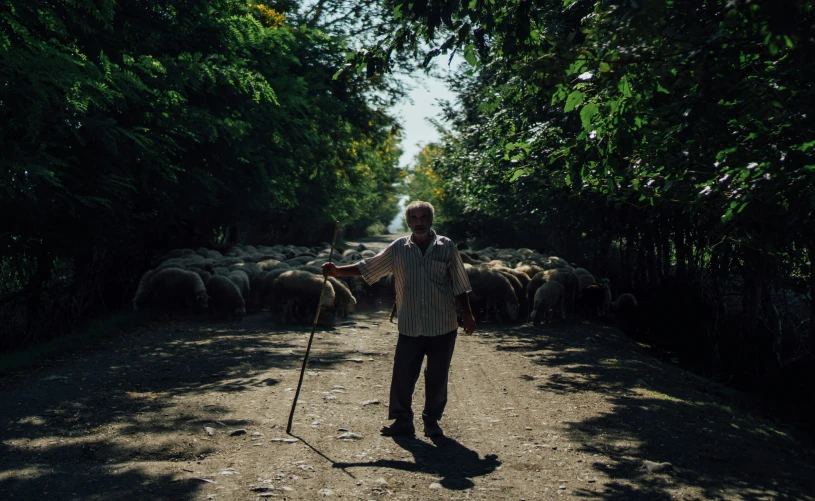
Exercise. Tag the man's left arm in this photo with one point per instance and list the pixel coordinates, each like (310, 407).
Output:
(466, 314)
(461, 285)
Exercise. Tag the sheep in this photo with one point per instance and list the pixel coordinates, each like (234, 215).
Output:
(176, 262)
(497, 263)
(248, 268)
(352, 255)
(345, 302)
(268, 264)
(235, 251)
(530, 269)
(302, 289)
(493, 288)
(227, 300)
(518, 287)
(548, 297)
(590, 300)
(554, 262)
(241, 279)
(144, 293)
(228, 261)
(213, 254)
(174, 288)
(570, 282)
(367, 253)
(259, 291)
(624, 303)
(298, 261)
(584, 281)
(605, 283)
(466, 258)
(625, 309)
(205, 275)
(220, 270)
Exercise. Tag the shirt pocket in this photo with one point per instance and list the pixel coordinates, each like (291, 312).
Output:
(438, 272)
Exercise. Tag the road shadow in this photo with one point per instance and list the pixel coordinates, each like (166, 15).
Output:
(151, 391)
(658, 412)
(456, 464)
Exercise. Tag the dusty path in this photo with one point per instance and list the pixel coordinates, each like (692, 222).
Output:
(569, 411)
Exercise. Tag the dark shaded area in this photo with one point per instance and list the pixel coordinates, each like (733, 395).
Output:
(143, 392)
(447, 458)
(709, 433)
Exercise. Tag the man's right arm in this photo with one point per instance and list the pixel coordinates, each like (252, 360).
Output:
(332, 270)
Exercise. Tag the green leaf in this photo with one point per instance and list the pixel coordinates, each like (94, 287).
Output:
(470, 56)
(662, 89)
(574, 99)
(518, 173)
(604, 67)
(587, 113)
(625, 87)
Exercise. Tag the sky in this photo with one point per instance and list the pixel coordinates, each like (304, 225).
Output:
(413, 117)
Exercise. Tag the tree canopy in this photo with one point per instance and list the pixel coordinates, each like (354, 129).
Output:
(130, 127)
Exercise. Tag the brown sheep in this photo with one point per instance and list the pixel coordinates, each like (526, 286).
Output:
(494, 289)
(174, 289)
(345, 302)
(227, 300)
(302, 292)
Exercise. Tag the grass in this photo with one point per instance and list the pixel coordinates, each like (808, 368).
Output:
(90, 335)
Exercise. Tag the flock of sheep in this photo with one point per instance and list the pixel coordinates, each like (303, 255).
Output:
(508, 284)
(284, 279)
(522, 283)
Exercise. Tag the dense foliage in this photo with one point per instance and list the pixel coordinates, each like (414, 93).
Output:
(667, 144)
(130, 127)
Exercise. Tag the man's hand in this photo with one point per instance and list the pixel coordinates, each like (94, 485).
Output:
(469, 323)
(329, 270)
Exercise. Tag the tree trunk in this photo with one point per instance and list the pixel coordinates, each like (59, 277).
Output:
(681, 249)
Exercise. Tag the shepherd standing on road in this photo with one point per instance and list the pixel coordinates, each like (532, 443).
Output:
(429, 274)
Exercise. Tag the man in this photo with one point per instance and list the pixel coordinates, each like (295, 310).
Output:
(429, 275)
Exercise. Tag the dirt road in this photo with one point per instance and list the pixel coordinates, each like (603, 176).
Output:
(197, 410)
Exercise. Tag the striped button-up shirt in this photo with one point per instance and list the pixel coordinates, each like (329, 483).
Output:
(426, 284)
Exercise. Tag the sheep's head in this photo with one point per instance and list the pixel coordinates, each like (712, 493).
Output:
(513, 308)
(202, 300)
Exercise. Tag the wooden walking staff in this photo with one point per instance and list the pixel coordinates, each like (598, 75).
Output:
(313, 327)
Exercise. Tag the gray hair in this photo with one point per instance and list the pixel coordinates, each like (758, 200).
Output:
(418, 204)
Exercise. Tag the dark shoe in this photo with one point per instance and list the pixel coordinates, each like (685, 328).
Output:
(432, 429)
(399, 427)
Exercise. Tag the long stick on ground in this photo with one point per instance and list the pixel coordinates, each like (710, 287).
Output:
(313, 327)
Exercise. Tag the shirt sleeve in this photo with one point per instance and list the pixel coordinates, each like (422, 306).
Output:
(461, 282)
(375, 268)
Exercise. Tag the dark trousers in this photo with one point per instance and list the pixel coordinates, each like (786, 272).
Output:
(410, 352)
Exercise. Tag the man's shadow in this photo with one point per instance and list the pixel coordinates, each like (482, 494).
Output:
(447, 458)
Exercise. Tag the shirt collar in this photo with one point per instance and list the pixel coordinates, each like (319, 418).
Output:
(411, 243)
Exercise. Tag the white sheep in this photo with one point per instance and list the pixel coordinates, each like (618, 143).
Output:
(548, 297)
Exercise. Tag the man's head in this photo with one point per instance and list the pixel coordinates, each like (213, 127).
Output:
(419, 217)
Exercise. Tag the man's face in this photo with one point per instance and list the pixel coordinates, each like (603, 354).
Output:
(419, 221)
